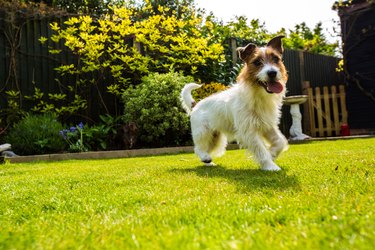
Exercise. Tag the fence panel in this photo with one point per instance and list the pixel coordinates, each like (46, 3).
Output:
(327, 111)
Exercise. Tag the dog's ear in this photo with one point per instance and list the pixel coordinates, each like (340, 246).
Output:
(245, 52)
(276, 44)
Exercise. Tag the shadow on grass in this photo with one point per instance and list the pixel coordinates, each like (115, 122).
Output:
(247, 179)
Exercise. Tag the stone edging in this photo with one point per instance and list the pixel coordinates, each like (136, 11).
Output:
(137, 152)
(105, 154)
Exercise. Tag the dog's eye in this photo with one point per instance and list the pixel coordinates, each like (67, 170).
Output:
(276, 59)
(258, 62)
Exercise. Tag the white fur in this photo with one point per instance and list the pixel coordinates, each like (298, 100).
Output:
(186, 98)
(242, 113)
(262, 75)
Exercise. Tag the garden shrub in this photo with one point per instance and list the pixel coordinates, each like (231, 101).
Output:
(104, 135)
(36, 134)
(154, 105)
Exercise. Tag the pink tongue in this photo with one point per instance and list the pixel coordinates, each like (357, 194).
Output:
(274, 87)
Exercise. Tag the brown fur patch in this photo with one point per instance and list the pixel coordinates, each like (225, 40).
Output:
(250, 69)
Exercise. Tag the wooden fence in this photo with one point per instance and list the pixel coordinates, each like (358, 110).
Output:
(327, 110)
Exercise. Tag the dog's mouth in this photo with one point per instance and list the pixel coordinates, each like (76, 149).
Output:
(273, 87)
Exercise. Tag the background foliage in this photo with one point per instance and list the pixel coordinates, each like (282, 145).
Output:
(36, 134)
(117, 50)
(155, 107)
(115, 44)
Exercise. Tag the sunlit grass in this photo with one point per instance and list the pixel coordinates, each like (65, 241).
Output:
(323, 198)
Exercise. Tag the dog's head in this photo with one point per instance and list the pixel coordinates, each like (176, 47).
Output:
(264, 66)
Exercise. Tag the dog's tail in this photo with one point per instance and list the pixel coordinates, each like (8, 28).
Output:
(186, 98)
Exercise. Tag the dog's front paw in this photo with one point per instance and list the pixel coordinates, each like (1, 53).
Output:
(270, 166)
(209, 164)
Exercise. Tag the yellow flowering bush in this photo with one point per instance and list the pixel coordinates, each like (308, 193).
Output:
(207, 90)
(118, 49)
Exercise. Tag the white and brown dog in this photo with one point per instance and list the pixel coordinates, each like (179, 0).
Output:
(249, 112)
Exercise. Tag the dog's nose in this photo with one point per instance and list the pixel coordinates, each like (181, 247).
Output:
(271, 73)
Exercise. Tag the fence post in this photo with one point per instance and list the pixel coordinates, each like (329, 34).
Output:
(311, 102)
(233, 45)
(327, 110)
(319, 110)
(306, 111)
(137, 45)
(335, 108)
(343, 104)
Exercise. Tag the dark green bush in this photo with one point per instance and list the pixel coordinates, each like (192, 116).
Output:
(154, 106)
(104, 135)
(36, 134)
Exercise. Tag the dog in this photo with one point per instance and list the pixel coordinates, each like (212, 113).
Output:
(248, 112)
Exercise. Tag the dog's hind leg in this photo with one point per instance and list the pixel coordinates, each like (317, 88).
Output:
(207, 144)
(278, 142)
(218, 144)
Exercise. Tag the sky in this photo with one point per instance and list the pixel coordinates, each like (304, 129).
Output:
(276, 14)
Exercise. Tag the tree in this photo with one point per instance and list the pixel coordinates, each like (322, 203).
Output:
(247, 30)
(182, 9)
(117, 50)
(303, 38)
(86, 7)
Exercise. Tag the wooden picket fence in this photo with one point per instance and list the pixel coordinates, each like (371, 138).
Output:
(327, 110)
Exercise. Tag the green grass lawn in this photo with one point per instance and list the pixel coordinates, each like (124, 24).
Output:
(323, 198)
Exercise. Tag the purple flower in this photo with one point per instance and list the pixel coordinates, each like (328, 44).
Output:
(80, 125)
(73, 129)
(63, 133)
